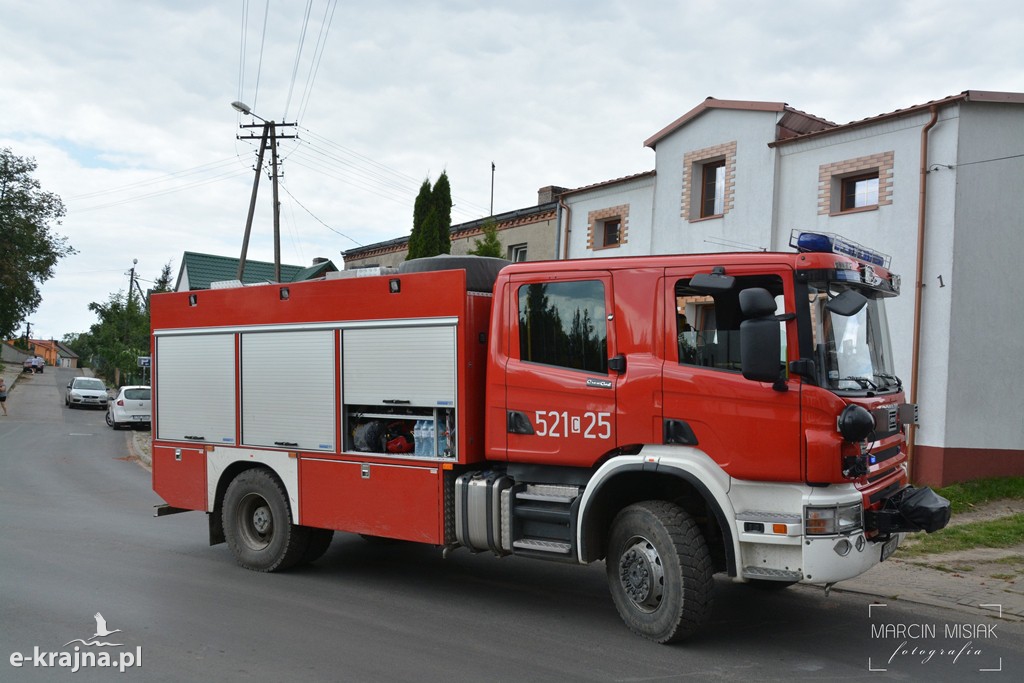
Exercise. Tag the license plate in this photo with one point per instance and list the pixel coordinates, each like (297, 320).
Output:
(890, 547)
(140, 418)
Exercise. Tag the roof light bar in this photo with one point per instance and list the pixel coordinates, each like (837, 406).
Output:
(831, 243)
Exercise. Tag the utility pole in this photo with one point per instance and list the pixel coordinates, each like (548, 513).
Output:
(269, 137)
(492, 189)
(131, 282)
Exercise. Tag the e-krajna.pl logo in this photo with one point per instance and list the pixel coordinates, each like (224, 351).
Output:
(83, 656)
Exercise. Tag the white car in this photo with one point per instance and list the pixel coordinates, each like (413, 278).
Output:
(86, 391)
(131, 406)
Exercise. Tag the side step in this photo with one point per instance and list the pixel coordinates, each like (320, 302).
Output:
(543, 520)
(541, 546)
(771, 574)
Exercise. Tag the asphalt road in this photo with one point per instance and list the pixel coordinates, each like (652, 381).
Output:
(77, 537)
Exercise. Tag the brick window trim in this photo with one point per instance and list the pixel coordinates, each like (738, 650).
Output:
(691, 190)
(830, 177)
(595, 225)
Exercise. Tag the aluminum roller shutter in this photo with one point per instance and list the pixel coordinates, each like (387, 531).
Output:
(195, 389)
(400, 366)
(288, 389)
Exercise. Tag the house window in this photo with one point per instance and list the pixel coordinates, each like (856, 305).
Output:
(709, 182)
(712, 195)
(608, 228)
(612, 232)
(853, 185)
(517, 253)
(859, 191)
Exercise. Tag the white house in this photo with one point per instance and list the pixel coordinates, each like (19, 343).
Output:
(942, 180)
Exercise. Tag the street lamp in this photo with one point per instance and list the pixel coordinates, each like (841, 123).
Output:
(244, 108)
(269, 136)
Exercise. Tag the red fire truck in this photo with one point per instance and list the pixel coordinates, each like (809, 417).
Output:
(675, 416)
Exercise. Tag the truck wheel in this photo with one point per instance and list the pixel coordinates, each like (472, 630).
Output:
(258, 523)
(319, 542)
(659, 571)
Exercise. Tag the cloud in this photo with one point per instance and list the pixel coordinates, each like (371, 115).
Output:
(117, 100)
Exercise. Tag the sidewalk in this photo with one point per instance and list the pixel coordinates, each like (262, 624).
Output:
(964, 580)
(11, 374)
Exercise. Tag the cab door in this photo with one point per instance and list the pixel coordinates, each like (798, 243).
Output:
(749, 428)
(560, 391)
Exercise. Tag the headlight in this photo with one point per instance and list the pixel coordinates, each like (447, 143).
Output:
(75, 394)
(832, 520)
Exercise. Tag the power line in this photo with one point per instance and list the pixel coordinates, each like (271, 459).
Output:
(317, 218)
(160, 193)
(241, 49)
(298, 56)
(263, 42)
(159, 179)
(318, 52)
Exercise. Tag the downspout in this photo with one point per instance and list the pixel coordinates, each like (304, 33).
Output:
(564, 209)
(919, 283)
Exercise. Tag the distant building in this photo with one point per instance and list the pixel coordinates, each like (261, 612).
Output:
(52, 352)
(198, 271)
(527, 234)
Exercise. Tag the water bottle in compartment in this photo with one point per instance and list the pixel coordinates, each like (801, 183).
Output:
(429, 427)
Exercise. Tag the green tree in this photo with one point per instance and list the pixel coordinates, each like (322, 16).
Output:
(29, 249)
(441, 199)
(164, 282)
(419, 215)
(490, 245)
(114, 343)
(431, 220)
(120, 337)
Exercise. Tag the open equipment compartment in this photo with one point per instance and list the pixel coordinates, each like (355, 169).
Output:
(406, 405)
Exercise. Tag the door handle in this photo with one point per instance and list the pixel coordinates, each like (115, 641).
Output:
(617, 363)
(519, 423)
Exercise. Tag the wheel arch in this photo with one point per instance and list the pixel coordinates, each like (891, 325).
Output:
(639, 478)
(227, 474)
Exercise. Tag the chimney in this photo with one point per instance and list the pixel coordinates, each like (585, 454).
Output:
(318, 260)
(548, 194)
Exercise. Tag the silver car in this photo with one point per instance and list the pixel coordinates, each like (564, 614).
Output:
(131, 406)
(86, 391)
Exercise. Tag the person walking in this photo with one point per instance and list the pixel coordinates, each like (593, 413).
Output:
(3, 395)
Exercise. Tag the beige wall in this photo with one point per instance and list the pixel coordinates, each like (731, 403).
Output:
(537, 232)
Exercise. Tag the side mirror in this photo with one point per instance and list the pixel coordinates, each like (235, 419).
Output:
(760, 347)
(712, 283)
(850, 302)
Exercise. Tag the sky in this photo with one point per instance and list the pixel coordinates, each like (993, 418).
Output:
(125, 105)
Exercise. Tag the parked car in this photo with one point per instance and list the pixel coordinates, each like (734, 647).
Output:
(86, 391)
(131, 406)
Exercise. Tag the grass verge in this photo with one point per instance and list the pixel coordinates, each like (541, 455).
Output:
(1004, 532)
(966, 495)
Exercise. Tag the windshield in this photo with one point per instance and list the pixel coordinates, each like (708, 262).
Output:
(91, 384)
(853, 351)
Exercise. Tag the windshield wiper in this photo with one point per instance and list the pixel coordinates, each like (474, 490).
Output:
(864, 382)
(892, 378)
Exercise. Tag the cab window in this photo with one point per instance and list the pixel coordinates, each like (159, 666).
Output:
(708, 325)
(564, 324)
